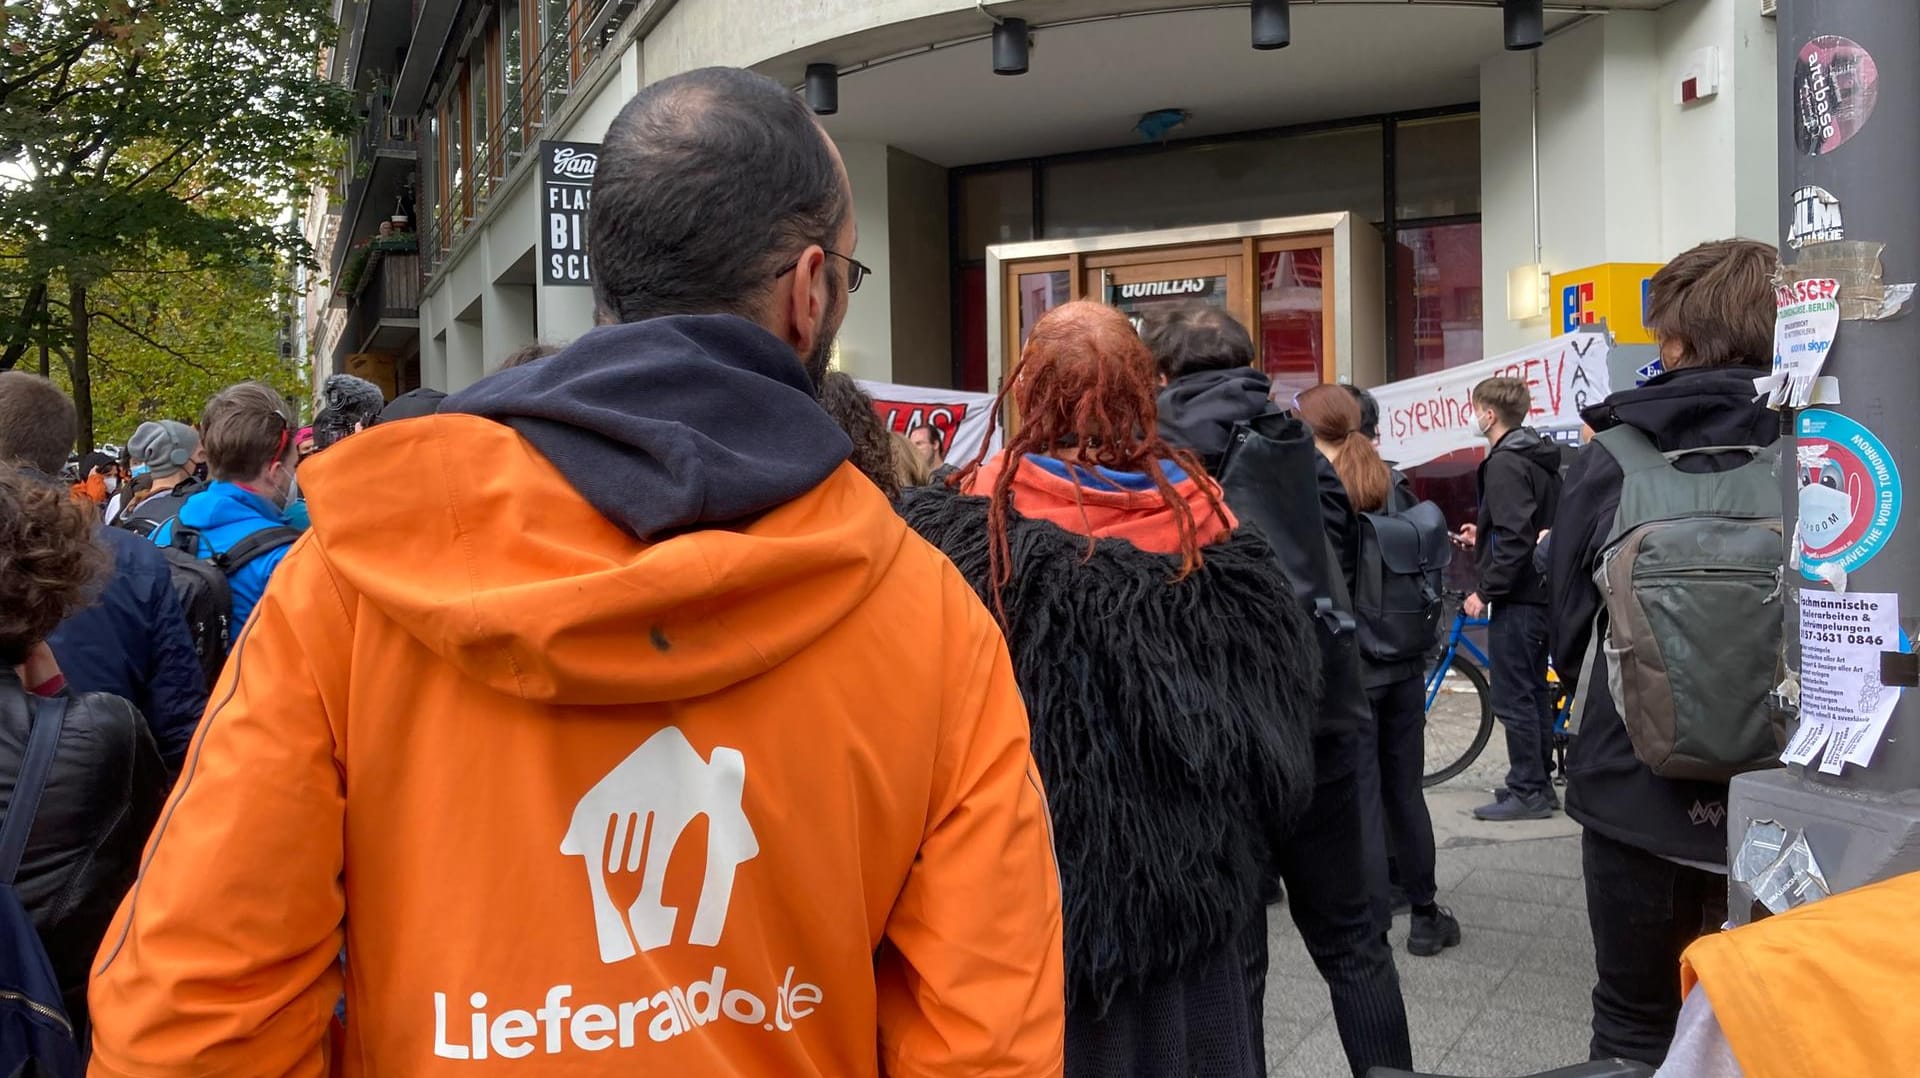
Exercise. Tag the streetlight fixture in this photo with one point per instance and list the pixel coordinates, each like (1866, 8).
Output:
(1010, 47)
(823, 89)
(1272, 24)
(1525, 23)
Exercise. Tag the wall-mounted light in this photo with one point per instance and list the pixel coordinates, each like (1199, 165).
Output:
(1010, 47)
(1527, 292)
(1525, 23)
(1272, 24)
(823, 89)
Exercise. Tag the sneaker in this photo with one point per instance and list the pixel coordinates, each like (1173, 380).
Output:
(1432, 934)
(1553, 798)
(1511, 806)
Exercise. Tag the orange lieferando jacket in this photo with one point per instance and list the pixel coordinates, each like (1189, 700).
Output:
(535, 797)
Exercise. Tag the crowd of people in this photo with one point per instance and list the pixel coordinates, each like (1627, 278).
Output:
(649, 701)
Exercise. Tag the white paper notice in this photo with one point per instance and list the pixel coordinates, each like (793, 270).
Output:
(1842, 703)
(1803, 331)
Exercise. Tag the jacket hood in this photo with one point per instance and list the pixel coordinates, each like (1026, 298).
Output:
(470, 539)
(1527, 442)
(1716, 403)
(222, 504)
(1198, 412)
(670, 423)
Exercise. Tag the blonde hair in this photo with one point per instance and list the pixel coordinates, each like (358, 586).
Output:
(909, 467)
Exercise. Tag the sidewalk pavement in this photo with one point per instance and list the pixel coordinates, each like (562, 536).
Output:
(1512, 999)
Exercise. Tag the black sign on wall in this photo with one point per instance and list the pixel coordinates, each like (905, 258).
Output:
(566, 187)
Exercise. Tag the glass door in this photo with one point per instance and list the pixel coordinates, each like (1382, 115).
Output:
(1140, 282)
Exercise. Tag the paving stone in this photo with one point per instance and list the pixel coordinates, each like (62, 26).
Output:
(1522, 887)
(1530, 1040)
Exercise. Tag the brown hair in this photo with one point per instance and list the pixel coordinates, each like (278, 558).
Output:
(1717, 301)
(1191, 337)
(244, 429)
(526, 354)
(852, 409)
(1086, 380)
(910, 469)
(37, 422)
(1334, 415)
(1509, 398)
(49, 562)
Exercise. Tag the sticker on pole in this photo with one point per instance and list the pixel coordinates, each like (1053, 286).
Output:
(1849, 493)
(1816, 218)
(1843, 706)
(1835, 85)
(1808, 316)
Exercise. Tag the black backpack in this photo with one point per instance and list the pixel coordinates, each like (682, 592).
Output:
(36, 1035)
(206, 597)
(1397, 599)
(145, 518)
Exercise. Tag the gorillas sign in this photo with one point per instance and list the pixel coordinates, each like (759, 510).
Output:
(566, 188)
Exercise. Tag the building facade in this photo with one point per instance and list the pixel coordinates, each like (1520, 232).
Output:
(1447, 176)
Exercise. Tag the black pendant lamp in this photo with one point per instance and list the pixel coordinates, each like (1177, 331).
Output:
(1525, 23)
(1272, 24)
(1010, 47)
(823, 89)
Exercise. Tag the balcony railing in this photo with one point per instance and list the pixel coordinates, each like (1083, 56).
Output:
(385, 291)
(550, 76)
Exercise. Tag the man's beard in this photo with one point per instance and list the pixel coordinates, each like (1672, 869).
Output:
(818, 362)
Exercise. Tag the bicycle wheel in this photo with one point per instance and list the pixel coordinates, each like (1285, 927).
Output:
(1460, 722)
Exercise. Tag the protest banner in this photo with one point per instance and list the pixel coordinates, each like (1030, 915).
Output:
(1432, 415)
(962, 417)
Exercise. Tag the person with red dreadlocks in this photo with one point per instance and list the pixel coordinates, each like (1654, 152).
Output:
(1170, 679)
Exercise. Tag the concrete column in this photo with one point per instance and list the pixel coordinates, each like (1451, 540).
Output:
(866, 336)
(509, 323)
(465, 345)
(1626, 172)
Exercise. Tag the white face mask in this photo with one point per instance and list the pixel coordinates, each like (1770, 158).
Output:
(1484, 424)
(113, 483)
(1825, 513)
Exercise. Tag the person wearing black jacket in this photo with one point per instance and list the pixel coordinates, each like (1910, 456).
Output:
(1212, 388)
(132, 641)
(105, 787)
(1519, 492)
(1655, 849)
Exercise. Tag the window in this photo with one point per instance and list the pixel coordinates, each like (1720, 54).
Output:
(1437, 166)
(510, 69)
(1439, 298)
(1216, 182)
(459, 197)
(478, 78)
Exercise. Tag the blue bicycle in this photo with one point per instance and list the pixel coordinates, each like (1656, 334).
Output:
(1459, 703)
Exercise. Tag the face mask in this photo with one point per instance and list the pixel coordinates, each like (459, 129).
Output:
(140, 470)
(1825, 513)
(113, 483)
(1484, 425)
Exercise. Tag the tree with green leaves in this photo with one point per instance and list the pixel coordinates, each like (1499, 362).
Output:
(152, 137)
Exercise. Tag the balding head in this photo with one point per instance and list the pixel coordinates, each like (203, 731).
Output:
(708, 184)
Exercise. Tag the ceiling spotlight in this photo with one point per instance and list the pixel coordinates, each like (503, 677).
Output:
(1010, 47)
(1272, 24)
(1524, 23)
(823, 89)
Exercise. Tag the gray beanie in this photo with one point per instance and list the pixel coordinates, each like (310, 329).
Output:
(164, 447)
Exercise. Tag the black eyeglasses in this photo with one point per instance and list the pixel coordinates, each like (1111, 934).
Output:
(856, 270)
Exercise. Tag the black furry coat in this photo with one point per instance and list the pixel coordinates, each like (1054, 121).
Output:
(1172, 726)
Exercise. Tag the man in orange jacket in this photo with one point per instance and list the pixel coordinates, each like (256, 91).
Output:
(596, 720)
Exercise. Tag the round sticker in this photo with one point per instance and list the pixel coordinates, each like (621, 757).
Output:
(1849, 493)
(1835, 84)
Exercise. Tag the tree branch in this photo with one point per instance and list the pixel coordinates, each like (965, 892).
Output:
(138, 335)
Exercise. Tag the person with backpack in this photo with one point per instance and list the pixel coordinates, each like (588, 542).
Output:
(1519, 492)
(83, 779)
(239, 523)
(1215, 403)
(166, 453)
(1400, 553)
(133, 640)
(1654, 839)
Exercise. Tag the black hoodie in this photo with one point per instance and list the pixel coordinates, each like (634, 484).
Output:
(1608, 788)
(672, 423)
(1198, 412)
(1519, 493)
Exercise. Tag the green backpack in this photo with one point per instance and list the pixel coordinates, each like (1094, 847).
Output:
(1690, 626)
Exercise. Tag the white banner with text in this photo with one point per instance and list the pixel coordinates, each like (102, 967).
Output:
(1430, 416)
(962, 417)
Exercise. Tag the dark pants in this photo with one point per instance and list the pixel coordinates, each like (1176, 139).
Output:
(1400, 722)
(1644, 911)
(1331, 903)
(1517, 646)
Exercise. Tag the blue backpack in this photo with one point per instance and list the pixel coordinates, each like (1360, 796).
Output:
(36, 1038)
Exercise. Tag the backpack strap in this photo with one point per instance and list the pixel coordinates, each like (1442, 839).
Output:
(1632, 449)
(260, 543)
(50, 714)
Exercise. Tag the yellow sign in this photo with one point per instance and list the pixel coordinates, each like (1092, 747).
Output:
(1615, 291)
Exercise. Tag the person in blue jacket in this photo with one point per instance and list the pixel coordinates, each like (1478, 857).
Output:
(132, 641)
(248, 434)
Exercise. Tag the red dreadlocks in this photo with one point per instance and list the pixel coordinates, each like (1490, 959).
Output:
(1084, 390)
